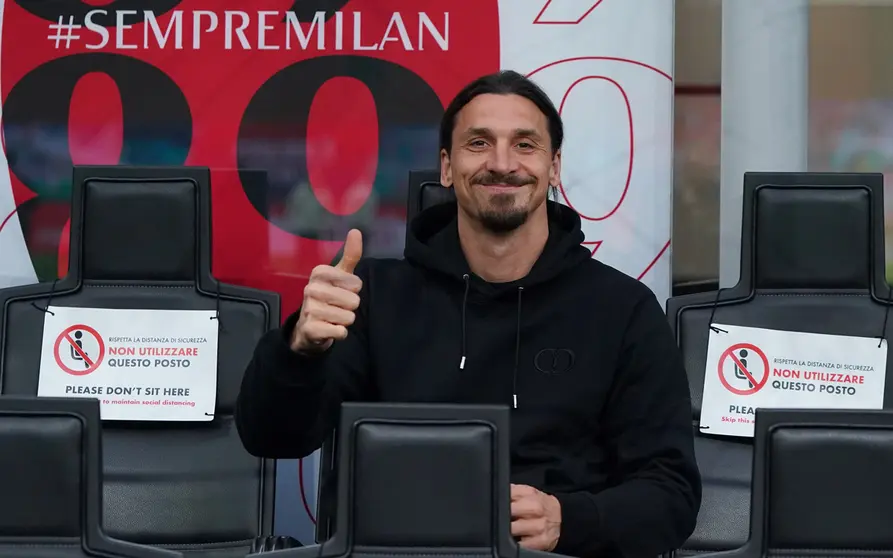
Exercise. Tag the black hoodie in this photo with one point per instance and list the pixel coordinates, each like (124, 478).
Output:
(601, 412)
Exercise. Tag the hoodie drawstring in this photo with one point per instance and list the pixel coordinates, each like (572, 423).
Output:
(467, 280)
(464, 305)
(517, 351)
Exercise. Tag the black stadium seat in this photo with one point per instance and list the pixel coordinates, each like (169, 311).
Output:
(425, 190)
(141, 239)
(821, 484)
(812, 260)
(50, 482)
(456, 500)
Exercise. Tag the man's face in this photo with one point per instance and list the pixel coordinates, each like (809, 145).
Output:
(501, 162)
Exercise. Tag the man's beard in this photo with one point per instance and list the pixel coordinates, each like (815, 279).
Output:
(501, 217)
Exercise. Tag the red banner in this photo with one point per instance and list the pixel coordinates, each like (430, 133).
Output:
(309, 120)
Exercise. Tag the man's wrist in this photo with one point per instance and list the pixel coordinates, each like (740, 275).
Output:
(553, 516)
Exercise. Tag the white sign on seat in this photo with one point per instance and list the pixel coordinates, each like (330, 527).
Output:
(748, 368)
(142, 365)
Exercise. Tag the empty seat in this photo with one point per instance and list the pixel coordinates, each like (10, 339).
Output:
(812, 260)
(141, 239)
(821, 484)
(454, 500)
(50, 481)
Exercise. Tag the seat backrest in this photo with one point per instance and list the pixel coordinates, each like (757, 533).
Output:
(455, 499)
(821, 483)
(812, 260)
(425, 190)
(50, 479)
(141, 239)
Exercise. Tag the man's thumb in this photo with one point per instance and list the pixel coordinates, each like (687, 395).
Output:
(353, 251)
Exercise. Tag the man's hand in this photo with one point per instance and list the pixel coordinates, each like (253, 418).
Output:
(330, 299)
(536, 518)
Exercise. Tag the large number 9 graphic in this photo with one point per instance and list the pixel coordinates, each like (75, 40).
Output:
(41, 100)
(284, 103)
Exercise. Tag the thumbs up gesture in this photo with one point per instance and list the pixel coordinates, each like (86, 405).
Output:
(330, 299)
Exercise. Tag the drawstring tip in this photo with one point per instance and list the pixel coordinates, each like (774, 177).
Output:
(462, 363)
(515, 400)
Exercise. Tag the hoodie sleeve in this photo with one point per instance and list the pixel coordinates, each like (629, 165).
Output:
(653, 506)
(289, 403)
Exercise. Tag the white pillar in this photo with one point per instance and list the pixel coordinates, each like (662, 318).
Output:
(765, 93)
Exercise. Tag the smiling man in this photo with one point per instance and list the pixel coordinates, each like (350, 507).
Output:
(497, 302)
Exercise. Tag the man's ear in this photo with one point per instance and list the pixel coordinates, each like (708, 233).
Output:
(446, 171)
(555, 170)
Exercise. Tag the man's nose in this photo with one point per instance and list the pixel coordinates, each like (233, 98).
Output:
(503, 159)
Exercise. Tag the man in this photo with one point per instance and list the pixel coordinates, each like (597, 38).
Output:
(497, 302)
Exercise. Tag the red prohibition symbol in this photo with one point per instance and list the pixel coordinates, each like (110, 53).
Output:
(71, 340)
(741, 370)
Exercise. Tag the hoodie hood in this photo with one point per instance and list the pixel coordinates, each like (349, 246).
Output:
(433, 243)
